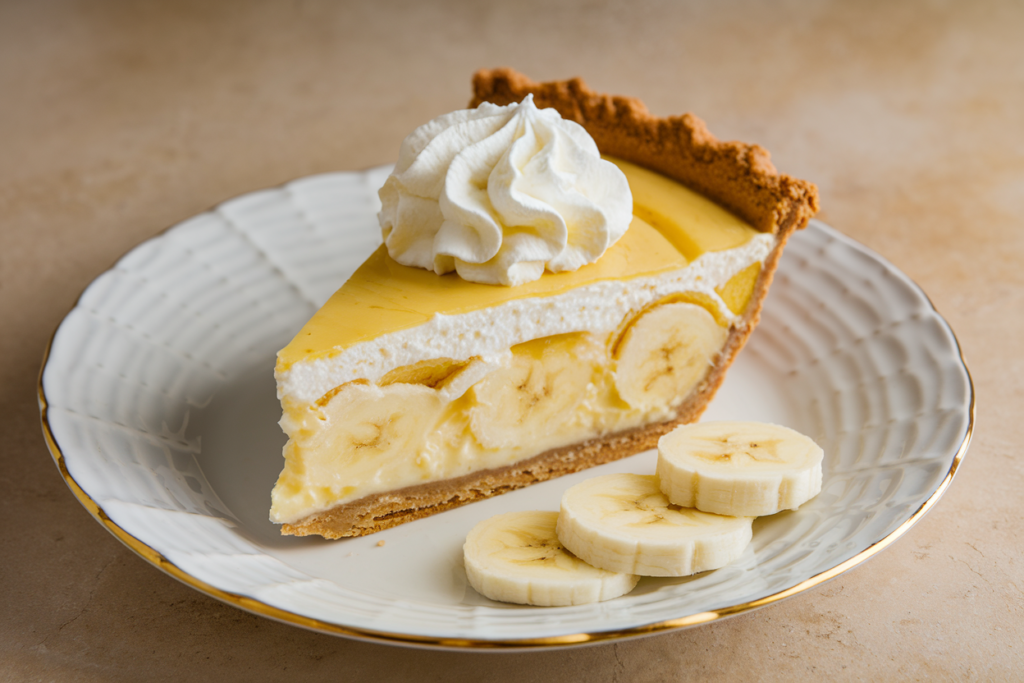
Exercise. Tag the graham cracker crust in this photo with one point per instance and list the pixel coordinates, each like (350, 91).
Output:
(736, 175)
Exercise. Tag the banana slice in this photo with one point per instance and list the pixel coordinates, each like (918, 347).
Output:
(375, 429)
(537, 392)
(624, 523)
(739, 468)
(516, 557)
(665, 354)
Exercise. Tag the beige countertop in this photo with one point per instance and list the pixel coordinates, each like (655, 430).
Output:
(119, 119)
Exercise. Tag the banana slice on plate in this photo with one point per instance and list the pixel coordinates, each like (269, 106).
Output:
(516, 557)
(624, 523)
(739, 468)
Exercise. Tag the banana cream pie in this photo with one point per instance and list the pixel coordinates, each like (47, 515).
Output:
(564, 278)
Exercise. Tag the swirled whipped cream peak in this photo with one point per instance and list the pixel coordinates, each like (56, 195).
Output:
(501, 194)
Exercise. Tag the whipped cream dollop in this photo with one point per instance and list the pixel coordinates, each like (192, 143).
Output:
(501, 194)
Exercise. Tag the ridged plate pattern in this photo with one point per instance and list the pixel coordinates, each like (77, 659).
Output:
(159, 402)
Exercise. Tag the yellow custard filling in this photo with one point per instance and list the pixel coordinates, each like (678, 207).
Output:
(672, 225)
(442, 418)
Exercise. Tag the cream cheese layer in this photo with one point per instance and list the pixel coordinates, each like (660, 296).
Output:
(598, 308)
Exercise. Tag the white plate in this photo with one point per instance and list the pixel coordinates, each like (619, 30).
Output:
(159, 407)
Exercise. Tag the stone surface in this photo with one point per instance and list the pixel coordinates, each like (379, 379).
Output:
(119, 119)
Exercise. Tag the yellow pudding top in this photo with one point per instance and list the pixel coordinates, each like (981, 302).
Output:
(672, 225)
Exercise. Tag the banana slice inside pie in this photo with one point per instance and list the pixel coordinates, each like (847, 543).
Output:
(425, 386)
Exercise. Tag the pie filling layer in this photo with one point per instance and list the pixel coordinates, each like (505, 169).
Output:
(405, 377)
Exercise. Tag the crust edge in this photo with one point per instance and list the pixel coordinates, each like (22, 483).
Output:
(737, 175)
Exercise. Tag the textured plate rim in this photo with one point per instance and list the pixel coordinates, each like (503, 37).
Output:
(263, 609)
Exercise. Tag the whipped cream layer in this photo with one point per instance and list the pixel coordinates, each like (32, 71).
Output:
(487, 333)
(501, 194)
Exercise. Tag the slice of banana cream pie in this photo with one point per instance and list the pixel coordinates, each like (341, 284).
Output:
(564, 278)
